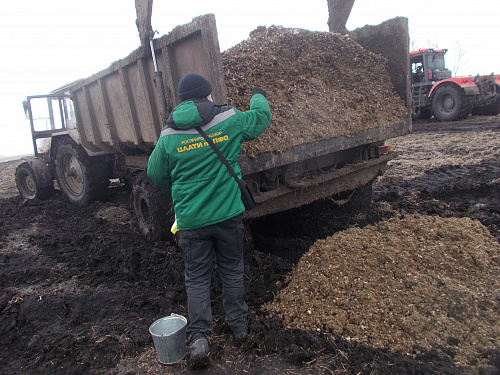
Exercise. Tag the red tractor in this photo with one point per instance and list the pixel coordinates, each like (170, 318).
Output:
(435, 92)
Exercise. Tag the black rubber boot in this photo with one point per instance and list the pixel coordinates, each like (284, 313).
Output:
(240, 336)
(200, 353)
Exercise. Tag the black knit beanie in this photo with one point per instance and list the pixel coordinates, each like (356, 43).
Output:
(193, 86)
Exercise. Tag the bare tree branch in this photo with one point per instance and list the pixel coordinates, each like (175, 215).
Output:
(459, 56)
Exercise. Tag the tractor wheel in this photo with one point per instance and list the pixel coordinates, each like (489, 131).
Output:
(29, 185)
(153, 208)
(82, 178)
(449, 103)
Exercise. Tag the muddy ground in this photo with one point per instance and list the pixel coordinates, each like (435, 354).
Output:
(80, 286)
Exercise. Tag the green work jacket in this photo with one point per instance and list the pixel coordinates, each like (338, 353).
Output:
(203, 191)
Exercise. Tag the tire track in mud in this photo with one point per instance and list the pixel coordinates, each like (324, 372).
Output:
(446, 168)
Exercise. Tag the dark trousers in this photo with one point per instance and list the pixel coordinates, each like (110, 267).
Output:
(225, 241)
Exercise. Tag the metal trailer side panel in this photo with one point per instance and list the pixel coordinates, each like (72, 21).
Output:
(83, 116)
(194, 48)
(100, 121)
(139, 104)
(118, 109)
(306, 151)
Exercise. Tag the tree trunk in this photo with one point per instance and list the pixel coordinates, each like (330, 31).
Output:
(339, 11)
(143, 10)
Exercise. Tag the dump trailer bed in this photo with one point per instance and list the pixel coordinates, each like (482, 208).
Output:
(119, 118)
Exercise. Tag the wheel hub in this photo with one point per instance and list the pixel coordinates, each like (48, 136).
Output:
(449, 103)
(73, 174)
(29, 185)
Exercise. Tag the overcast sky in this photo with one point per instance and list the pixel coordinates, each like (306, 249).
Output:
(48, 43)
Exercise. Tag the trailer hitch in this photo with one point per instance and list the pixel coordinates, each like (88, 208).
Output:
(489, 90)
(485, 84)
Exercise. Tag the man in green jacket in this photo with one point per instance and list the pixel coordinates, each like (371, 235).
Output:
(207, 200)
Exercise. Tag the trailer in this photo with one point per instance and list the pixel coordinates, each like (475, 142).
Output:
(106, 126)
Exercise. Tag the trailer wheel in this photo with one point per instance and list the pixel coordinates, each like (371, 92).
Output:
(153, 208)
(82, 178)
(449, 103)
(29, 185)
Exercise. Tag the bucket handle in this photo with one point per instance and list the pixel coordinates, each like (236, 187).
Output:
(176, 316)
(172, 315)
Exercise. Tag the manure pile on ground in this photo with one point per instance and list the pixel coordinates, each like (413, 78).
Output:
(420, 280)
(319, 85)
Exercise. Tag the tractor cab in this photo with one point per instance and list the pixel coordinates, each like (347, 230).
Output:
(428, 66)
(49, 115)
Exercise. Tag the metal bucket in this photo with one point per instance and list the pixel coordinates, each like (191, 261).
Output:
(169, 337)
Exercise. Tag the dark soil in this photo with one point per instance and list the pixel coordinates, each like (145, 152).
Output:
(80, 286)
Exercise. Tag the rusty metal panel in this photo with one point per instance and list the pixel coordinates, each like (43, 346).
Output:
(307, 151)
(180, 62)
(118, 109)
(179, 48)
(83, 117)
(145, 103)
(130, 110)
(97, 111)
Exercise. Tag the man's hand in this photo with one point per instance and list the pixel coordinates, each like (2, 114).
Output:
(258, 91)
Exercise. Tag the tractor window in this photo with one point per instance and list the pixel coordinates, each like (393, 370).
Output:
(46, 114)
(417, 67)
(69, 112)
(436, 61)
(417, 71)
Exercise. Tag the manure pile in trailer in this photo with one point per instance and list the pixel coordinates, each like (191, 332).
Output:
(319, 85)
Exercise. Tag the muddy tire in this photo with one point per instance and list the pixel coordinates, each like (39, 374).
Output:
(29, 184)
(153, 208)
(83, 179)
(449, 103)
